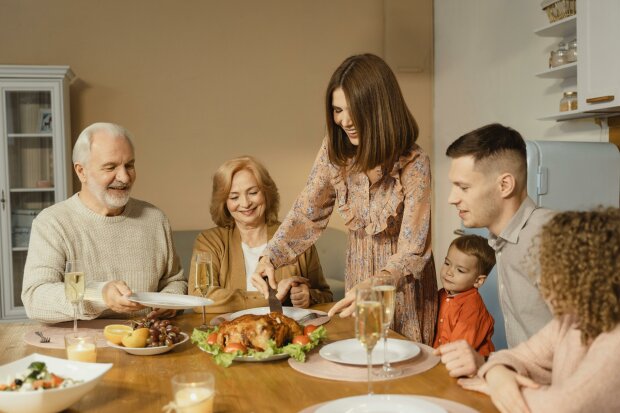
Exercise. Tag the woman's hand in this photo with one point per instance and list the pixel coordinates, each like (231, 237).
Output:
(286, 286)
(475, 384)
(346, 306)
(504, 386)
(300, 295)
(264, 269)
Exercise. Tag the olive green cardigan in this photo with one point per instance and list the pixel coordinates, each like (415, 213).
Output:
(229, 292)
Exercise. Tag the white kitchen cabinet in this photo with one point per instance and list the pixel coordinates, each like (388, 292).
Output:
(596, 74)
(35, 164)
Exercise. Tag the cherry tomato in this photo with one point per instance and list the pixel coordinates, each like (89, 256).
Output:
(232, 347)
(212, 338)
(303, 340)
(309, 329)
(56, 380)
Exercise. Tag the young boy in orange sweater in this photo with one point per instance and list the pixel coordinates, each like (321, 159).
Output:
(462, 313)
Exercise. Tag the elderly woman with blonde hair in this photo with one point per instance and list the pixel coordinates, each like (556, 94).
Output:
(244, 206)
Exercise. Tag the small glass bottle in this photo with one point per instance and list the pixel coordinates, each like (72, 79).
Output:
(568, 102)
(558, 58)
(571, 53)
(572, 101)
(551, 59)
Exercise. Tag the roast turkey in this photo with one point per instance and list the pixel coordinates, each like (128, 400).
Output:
(255, 331)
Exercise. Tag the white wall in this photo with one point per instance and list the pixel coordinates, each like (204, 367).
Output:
(486, 55)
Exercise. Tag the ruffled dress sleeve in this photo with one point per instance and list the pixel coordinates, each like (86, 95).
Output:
(309, 216)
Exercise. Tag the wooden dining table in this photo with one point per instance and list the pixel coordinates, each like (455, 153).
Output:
(142, 383)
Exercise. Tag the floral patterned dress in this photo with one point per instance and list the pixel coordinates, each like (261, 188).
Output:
(389, 225)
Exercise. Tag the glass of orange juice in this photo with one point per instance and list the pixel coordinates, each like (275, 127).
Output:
(81, 346)
(193, 392)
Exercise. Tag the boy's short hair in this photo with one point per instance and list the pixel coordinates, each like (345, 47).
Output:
(478, 247)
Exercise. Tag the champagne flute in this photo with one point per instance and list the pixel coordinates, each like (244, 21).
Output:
(368, 323)
(385, 286)
(74, 287)
(204, 276)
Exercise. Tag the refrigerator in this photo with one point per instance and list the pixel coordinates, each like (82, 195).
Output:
(561, 176)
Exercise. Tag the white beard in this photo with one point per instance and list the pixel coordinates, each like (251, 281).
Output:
(110, 200)
(113, 201)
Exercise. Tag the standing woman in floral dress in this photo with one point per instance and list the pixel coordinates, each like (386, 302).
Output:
(370, 168)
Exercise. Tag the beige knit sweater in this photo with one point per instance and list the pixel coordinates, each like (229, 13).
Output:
(135, 247)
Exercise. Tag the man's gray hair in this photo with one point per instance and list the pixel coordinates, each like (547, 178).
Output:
(81, 149)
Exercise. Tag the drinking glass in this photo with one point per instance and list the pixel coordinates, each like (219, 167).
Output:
(368, 323)
(81, 347)
(385, 286)
(204, 276)
(193, 392)
(74, 287)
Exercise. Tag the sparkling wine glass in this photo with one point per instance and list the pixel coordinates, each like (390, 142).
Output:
(368, 323)
(385, 286)
(74, 287)
(204, 276)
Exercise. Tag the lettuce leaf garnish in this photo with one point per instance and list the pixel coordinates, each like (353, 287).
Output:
(296, 351)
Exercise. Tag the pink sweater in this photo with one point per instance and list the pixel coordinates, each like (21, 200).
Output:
(573, 377)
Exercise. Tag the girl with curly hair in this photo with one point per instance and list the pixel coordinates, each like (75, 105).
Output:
(572, 364)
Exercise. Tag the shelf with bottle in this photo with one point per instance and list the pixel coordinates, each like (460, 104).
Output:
(561, 66)
(597, 80)
(560, 72)
(568, 115)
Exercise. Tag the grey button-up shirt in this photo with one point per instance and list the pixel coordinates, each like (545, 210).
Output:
(525, 311)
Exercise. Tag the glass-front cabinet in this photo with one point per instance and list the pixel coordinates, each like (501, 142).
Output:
(35, 164)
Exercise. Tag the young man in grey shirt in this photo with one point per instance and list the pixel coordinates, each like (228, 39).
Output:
(488, 173)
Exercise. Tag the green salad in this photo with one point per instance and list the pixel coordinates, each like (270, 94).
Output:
(36, 377)
(225, 359)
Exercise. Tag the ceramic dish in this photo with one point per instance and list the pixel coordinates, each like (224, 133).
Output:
(149, 351)
(381, 403)
(169, 301)
(350, 351)
(52, 400)
(251, 359)
(293, 312)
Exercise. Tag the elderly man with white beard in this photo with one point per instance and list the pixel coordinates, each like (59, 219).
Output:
(124, 244)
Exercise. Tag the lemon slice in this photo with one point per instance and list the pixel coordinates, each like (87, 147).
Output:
(114, 333)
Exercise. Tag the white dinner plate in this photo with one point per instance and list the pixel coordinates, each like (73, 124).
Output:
(351, 351)
(293, 312)
(169, 301)
(149, 351)
(381, 403)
